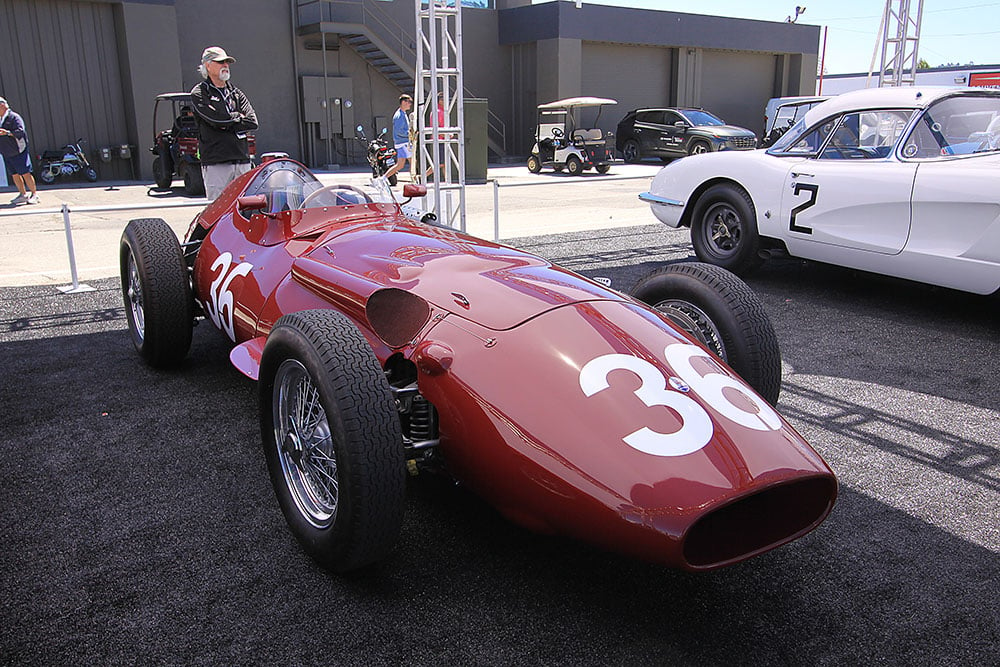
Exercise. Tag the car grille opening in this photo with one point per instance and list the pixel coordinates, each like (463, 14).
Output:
(744, 142)
(759, 522)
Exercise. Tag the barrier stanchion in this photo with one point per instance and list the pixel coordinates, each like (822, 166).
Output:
(76, 287)
(592, 180)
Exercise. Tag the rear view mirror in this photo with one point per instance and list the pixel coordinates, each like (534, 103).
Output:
(360, 128)
(252, 202)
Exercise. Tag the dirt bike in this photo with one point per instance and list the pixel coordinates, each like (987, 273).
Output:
(69, 160)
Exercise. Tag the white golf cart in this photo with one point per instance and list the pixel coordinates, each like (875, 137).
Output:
(562, 143)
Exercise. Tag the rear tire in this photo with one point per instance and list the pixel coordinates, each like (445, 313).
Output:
(393, 179)
(157, 292)
(574, 166)
(603, 168)
(163, 174)
(332, 439)
(722, 313)
(194, 184)
(630, 151)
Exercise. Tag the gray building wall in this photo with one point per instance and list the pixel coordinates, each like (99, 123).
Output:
(91, 68)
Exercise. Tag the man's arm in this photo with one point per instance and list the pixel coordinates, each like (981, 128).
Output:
(206, 112)
(245, 118)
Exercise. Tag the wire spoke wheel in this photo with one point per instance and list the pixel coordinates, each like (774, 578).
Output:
(305, 445)
(695, 322)
(133, 293)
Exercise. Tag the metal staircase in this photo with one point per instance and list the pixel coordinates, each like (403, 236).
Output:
(399, 73)
(383, 43)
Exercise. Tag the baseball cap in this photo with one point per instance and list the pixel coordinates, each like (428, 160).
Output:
(4, 102)
(217, 54)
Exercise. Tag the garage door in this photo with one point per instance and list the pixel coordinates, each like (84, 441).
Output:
(59, 69)
(636, 76)
(737, 85)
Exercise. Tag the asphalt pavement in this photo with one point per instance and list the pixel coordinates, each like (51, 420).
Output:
(138, 525)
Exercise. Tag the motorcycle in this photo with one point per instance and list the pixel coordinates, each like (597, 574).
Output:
(65, 162)
(381, 156)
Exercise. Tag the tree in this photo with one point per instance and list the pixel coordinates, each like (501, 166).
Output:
(923, 64)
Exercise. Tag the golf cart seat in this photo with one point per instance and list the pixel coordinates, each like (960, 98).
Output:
(592, 136)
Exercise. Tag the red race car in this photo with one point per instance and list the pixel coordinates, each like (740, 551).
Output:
(384, 344)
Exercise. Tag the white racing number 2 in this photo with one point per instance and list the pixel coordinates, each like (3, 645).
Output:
(696, 425)
(220, 308)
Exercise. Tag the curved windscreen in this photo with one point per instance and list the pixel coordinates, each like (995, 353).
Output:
(286, 185)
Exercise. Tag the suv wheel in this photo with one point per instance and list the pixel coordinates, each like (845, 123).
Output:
(698, 148)
(630, 151)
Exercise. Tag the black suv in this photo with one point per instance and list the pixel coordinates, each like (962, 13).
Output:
(670, 133)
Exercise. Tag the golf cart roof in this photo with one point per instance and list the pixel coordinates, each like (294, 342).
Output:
(571, 102)
(173, 96)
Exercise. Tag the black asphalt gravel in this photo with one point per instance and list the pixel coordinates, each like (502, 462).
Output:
(138, 525)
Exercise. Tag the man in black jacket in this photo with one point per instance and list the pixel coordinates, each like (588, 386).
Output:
(224, 117)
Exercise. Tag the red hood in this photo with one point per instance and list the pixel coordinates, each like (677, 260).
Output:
(493, 285)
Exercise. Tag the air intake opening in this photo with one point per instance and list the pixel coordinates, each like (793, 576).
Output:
(759, 522)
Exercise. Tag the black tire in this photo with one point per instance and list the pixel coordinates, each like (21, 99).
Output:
(721, 312)
(699, 147)
(318, 360)
(194, 184)
(724, 229)
(631, 152)
(603, 168)
(574, 166)
(156, 289)
(534, 164)
(46, 176)
(90, 174)
(393, 179)
(163, 172)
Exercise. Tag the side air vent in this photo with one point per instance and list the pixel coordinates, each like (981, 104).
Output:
(396, 316)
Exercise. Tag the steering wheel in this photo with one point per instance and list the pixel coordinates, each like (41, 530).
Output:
(329, 190)
(557, 133)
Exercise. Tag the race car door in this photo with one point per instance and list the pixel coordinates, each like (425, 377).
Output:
(851, 193)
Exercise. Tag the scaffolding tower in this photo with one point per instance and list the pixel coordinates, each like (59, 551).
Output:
(441, 140)
(899, 41)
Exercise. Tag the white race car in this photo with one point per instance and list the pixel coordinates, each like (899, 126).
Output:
(898, 181)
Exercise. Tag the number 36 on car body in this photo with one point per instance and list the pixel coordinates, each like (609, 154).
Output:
(696, 424)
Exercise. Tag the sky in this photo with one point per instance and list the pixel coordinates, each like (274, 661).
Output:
(951, 31)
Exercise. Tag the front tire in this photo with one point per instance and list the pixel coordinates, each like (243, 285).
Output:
(46, 176)
(157, 292)
(534, 164)
(698, 147)
(724, 229)
(722, 313)
(91, 174)
(332, 439)
(630, 151)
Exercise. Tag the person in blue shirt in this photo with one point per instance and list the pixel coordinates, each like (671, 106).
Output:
(401, 134)
(14, 148)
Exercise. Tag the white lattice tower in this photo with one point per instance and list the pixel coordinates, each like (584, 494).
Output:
(899, 42)
(439, 71)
